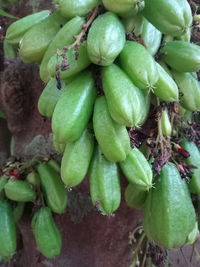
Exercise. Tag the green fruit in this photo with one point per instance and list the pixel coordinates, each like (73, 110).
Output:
(182, 56)
(76, 160)
(74, 65)
(135, 197)
(190, 90)
(133, 24)
(33, 178)
(18, 190)
(165, 123)
(53, 188)
(165, 88)
(9, 50)
(151, 37)
(144, 112)
(172, 17)
(169, 215)
(194, 159)
(74, 109)
(60, 147)
(18, 211)
(64, 37)
(46, 233)
(35, 41)
(125, 101)
(143, 73)
(17, 29)
(105, 188)
(113, 138)
(137, 169)
(73, 8)
(49, 98)
(124, 8)
(7, 231)
(54, 164)
(3, 181)
(192, 237)
(106, 39)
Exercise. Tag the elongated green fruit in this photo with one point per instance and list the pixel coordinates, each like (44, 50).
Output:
(63, 38)
(124, 8)
(53, 188)
(33, 178)
(106, 39)
(151, 37)
(182, 56)
(73, 8)
(17, 29)
(144, 112)
(3, 181)
(169, 215)
(165, 123)
(18, 190)
(190, 89)
(60, 147)
(9, 50)
(192, 237)
(137, 169)
(135, 197)
(125, 101)
(47, 235)
(113, 138)
(49, 98)
(165, 88)
(35, 41)
(74, 109)
(194, 159)
(172, 17)
(143, 74)
(55, 165)
(18, 211)
(7, 230)
(74, 64)
(76, 159)
(105, 188)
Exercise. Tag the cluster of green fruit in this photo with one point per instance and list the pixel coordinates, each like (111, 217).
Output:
(91, 130)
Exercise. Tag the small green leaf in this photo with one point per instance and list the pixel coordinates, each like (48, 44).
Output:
(5, 14)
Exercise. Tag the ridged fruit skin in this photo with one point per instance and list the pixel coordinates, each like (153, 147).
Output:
(64, 37)
(169, 215)
(112, 137)
(60, 147)
(125, 101)
(182, 56)
(33, 178)
(49, 98)
(133, 24)
(165, 123)
(104, 180)
(76, 65)
(18, 190)
(3, 181)
(137, 169)
(46, 233)
(151, 37)
(53, 188)
(31, 50)
(135, 197)
(143, 74)
(76, 159)
(190, 89)
(17, 29)
(106, 39)
(71, 8)
(124, 8)
(165, 88)
(194, 159)
(74, 109)
(172, 17)
(7, 230)
(55, 165)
